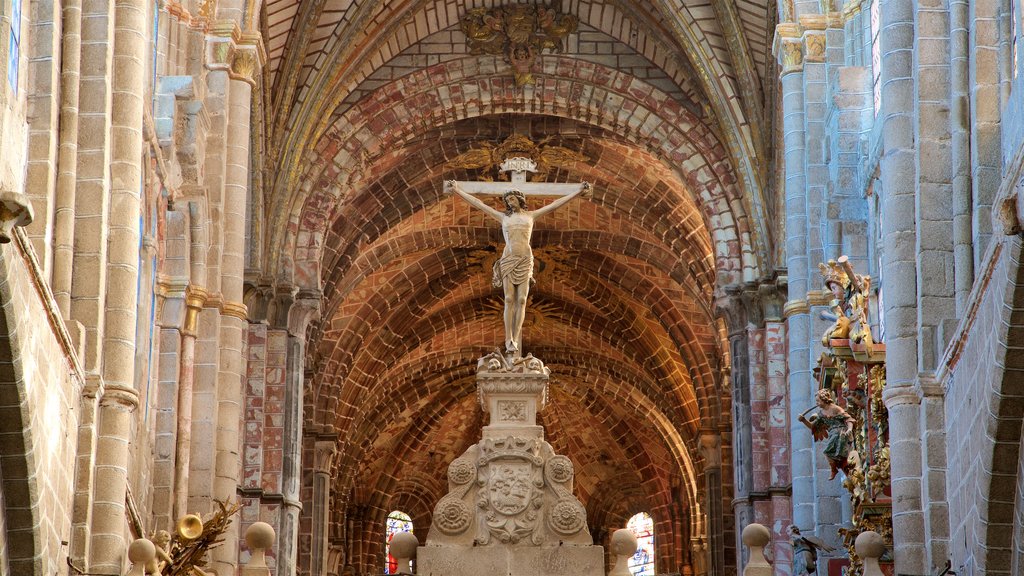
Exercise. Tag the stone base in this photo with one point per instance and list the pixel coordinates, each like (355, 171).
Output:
(510, 561)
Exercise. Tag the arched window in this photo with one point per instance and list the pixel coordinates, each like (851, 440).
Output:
(642, 526)
(397, 522)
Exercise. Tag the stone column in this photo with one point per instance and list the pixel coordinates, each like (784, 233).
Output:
(119, 318)
(234, 320)
(299, 315)
(107, 544)
(734, 310)
(796, 311)
(899, 282)
(195, 298)
(67, 160)
(323, 458)
(960, 152)
(711, 451)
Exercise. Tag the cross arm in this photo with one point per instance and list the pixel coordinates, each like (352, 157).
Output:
(527, 188)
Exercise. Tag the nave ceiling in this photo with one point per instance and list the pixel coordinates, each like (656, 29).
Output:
(366, 105)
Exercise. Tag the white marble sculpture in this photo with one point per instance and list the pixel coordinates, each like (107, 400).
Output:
(513, 272)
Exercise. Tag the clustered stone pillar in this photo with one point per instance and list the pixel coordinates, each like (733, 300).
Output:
(796, 311)
(323, 458)
(119, 397)
(733, 310)
(711, 451)
(899, 284)
(234, 318)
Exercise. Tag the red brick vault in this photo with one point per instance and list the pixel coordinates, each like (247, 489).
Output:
(365, 114)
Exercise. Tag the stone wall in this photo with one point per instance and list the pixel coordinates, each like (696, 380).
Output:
(40, 387)
(984, 389)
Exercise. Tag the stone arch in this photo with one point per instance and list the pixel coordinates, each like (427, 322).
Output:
(566, 88)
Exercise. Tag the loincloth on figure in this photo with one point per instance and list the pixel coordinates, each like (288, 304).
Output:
(516, 269)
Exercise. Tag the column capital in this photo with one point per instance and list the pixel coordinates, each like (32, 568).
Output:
(788, 47)
(732, 308)
(711, 450)
(323, 455)
(303, 311)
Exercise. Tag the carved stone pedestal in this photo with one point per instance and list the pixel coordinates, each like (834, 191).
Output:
(510, 509)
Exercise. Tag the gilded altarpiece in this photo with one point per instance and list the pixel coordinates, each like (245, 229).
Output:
(852, 367)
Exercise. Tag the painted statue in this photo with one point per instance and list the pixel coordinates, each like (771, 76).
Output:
(834, 426)
(805, 552)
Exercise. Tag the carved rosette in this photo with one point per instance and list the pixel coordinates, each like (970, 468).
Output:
(567, 517)
(452, 516)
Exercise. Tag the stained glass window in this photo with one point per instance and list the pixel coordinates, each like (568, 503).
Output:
(642, 526)
(14, 48)
(397, 522)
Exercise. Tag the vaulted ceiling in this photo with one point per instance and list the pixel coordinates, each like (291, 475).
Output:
(365, 106)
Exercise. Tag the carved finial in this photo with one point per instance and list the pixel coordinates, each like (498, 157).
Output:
(623, 547)
(756, 537)
(141, 553)
(870, 546)
(403, 548)
(259, 538)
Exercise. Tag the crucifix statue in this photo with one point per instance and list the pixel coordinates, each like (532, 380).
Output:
(513, 272)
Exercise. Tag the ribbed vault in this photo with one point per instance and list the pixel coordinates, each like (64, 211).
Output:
(367, 107)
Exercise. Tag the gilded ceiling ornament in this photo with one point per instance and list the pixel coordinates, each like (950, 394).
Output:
(491, 156)
(518, 32)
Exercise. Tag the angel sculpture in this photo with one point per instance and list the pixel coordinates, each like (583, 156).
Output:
(835, 426)
(805, 552)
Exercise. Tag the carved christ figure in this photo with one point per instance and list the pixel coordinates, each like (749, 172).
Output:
(513, 272)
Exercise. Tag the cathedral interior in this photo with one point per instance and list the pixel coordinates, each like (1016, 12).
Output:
(235, 287)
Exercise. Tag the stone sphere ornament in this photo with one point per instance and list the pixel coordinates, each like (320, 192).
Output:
(403, 548)
(869, 545)
(259, 535)
(756, 535)
(624, 543)
(141, 551)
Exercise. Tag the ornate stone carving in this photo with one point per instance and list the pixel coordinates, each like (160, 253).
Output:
(814, 46)
(496, 362)
(559, 469)
(518, 32)
(567, 516)
(461, 471)
(15, 210)
(510, 507)
(511, 411)
(452, 515)
(513, 155)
